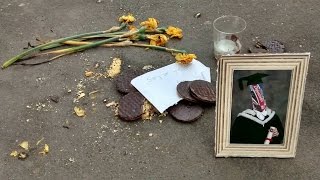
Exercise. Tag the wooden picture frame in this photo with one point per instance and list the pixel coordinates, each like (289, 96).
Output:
(289, 92)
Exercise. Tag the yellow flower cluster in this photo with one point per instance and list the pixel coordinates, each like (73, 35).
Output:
(150, 24)
(185, 58)
(174, 32)
(128, 19)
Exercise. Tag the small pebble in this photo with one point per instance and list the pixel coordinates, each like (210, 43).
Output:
(150, 134)
(54, 99)
(197, 15)
(71, 160)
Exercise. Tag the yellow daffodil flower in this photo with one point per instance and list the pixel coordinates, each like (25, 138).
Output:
(150, 24)
(158, 39)
(128, 19)
(185, 58)
(174, 32)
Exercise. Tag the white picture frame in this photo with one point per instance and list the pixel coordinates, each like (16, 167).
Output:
(228, 66)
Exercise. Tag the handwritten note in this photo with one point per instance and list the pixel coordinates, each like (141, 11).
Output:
(160, 86)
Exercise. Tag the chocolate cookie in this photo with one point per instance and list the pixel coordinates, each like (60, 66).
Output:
(185, 112)
(123, 81)
(203, 91)
(274, 46)
(130, 106)
(183, 89)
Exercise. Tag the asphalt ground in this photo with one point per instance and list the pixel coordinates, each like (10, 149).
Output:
(100, 146)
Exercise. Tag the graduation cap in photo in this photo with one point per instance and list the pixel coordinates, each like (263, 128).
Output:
(252, 79)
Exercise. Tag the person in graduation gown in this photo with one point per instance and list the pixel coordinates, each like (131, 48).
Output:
(253, 125)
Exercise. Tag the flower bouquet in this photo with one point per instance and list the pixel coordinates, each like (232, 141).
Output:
(118, 36)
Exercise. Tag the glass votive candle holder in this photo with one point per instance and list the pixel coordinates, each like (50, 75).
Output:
(226, 34)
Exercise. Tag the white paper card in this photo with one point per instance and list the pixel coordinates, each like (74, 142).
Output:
(160, 86)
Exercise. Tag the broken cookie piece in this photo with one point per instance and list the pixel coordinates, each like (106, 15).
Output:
(115, 68)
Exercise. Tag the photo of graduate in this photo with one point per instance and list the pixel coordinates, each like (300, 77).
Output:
(258, 124)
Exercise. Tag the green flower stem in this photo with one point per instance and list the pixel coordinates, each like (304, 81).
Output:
(107, 35)
(141, 37)
(98, 43)
(159, 48)
(115, 29)
(56, 42)
(63, 43)
(51, 46)
(125, 42)
(112, 34)
(157, 31)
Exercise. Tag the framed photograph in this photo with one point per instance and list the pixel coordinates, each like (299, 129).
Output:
(259, 103)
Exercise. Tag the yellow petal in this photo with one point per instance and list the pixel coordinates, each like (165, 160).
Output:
(114, 68)
(132, 28)
(174, 32)
(158, 39)
(45, 149)
(24, 145)
(128, 19)
(153, 43)
(14, 153)
(185, 58)
(79, 111)
(150, 24)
